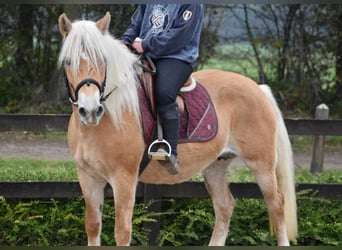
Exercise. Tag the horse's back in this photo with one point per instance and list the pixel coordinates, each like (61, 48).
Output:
(237, 93)
(225, 80)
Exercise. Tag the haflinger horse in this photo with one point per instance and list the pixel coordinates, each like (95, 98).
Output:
(105, 136)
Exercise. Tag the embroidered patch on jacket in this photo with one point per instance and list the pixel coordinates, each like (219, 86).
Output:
(159, 19)
(187, 15)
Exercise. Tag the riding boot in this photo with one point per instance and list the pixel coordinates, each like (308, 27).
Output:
(169, 119)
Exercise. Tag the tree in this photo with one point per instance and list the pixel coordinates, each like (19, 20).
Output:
(24, 49)
(253, 41)
(7, 54)
(30, 43)
(297, 50)
(337, 25)
(298, 45)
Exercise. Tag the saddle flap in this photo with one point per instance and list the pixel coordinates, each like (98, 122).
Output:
(147, 81)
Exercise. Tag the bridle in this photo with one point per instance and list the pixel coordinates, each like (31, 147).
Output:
(101, 87)
(88, 81)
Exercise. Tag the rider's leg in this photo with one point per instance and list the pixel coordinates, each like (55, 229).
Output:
(170, 77)
(169, 119)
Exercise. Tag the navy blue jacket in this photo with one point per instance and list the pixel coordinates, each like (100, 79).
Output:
(167, 30)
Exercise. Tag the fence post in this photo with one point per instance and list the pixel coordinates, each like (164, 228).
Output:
(322, 113)
(152, 198)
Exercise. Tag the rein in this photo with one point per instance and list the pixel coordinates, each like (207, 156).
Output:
(101, 87)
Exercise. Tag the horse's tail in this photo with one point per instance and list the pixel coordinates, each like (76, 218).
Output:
(284, 168)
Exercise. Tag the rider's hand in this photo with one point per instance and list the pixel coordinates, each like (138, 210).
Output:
(137, 45)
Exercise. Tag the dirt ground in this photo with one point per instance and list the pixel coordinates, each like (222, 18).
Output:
(57, 149)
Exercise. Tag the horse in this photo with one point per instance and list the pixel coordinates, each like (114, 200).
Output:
(105, 136)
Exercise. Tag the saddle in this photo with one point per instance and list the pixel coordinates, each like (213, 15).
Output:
(198, 121)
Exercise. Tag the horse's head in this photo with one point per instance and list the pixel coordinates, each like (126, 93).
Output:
(84, 66)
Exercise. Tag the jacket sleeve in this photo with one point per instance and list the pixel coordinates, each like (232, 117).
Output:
(133, 29)
(179, 34)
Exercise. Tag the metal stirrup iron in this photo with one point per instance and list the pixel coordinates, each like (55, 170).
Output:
(159, 155)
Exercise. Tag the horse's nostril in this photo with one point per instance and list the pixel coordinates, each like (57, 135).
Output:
(83, 112)
(99, 111)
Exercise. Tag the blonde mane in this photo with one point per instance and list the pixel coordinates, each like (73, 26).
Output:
(102, 49)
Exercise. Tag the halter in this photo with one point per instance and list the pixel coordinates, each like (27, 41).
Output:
(101, 87)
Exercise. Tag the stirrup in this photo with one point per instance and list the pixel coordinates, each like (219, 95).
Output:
(162, 155)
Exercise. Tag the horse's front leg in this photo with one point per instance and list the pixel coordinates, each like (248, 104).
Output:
(124, 188)
(93, 193)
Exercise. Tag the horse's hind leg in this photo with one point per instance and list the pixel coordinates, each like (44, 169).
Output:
(267, 181)
(93, 193)
(223, 201)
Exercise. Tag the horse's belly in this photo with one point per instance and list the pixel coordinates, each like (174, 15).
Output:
(193, 159)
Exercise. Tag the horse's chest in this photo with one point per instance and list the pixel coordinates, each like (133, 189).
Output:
(90, 161)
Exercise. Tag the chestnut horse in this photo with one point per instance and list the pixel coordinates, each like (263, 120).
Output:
(106, 139)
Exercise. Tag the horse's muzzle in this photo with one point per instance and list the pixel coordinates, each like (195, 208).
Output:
(90, 116)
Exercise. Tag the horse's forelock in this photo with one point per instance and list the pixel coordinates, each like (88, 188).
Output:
(83, 41)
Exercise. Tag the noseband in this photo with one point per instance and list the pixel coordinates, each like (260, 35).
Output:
(88, 81)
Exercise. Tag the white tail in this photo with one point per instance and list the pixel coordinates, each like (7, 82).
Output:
(284, 168)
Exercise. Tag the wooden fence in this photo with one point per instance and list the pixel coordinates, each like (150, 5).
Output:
(60, 122)
(41, 190)
(44, 122)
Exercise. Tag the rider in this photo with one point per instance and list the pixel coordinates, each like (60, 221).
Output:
(170, 35)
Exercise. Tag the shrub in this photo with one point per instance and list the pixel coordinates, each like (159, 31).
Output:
(59, 222)
(186, 222)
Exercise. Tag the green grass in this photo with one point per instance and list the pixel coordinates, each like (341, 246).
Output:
(241, 66)
(52, 170)
(24, 135)
(36, 170)
(239, 58)
(327, 176)
(302, 175)
(305, 143)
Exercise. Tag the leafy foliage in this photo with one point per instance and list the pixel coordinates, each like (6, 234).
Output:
(243, 230)
(188, 222)
(59, 222)
(38, 223)
(320, 222)
(185, 222)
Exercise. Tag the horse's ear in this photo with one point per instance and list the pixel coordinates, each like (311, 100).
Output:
(64, 24)
(103, 23)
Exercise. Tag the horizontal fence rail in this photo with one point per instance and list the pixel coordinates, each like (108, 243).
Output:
(34, 123)
(71, 189)
(45, 122)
